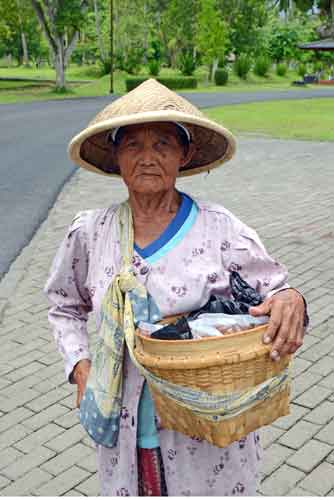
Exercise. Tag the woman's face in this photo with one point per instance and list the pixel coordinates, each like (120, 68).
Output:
(150, 156)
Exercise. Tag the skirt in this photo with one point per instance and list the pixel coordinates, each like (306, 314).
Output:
(151, 476)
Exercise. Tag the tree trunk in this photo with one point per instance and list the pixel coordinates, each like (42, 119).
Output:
(82, 39)
(60, 64)
(145, 34)
(24, 49)
(214, 67)
(111, 46)
(98, 32)
(56, 41)
(69, 49)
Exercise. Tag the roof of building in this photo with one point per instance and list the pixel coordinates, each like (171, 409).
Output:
(326, 44)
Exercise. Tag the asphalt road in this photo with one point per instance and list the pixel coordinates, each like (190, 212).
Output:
(34, 164)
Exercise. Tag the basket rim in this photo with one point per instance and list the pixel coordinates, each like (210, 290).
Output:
(202, 339)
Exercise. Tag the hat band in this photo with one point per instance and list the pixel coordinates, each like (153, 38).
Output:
(114, 132)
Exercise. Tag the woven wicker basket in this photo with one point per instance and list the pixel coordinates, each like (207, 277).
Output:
(229, 363)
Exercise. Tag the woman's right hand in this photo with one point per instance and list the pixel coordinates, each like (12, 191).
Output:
(80, 376)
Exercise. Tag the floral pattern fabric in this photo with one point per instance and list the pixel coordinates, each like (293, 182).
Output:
(181, 281)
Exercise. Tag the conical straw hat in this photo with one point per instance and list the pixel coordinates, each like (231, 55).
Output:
(151, 102)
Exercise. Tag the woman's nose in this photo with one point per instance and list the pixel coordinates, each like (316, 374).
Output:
(147, 152)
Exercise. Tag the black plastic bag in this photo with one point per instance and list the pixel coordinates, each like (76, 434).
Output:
(179, 330)
(243, 294)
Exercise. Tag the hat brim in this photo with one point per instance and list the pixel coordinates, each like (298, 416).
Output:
(214, 144)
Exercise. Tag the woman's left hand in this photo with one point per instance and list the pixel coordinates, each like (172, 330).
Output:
(286, 326)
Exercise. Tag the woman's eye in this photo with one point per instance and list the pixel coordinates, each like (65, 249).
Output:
(163, 142)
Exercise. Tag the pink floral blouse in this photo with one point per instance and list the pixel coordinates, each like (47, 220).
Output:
(181, 280)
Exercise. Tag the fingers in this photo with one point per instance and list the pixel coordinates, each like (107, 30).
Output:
(274, 323)
(81, 385)
(80, 392)
(262, 309)
(79, 395)
(286, 337)
(296, 336)
(286, 330)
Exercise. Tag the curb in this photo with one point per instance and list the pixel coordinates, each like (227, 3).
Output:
(18, 267)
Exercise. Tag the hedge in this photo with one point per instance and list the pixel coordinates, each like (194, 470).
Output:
(173, 83)
(221, 76)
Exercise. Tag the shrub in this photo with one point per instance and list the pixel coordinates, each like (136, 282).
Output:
(222, 62)
(104, 67)
(154, 67)
(318, 67)
(221, 76)
(133, 61)
(281, 69)
(187, 63)
(262, 65)
(173, 83)
(242, 66)
(301, 70)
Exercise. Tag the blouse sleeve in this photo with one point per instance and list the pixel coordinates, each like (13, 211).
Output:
(249, 257)
(68, 296)
(257, 267)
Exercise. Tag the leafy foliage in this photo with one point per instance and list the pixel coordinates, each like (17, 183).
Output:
(285, 36)
(154, 67)
(181, 82)
(301, 70)
(151, 34)
(281, 69)
(187, 63)
(246, 20)
(212, 33)
(242, 66)
(262, 65)
(221, 76)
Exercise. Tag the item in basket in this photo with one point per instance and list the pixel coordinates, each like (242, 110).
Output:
(148, 328)
(242, 291)
(235, 328)
(230, 329)
(219, 305)
(179, 330)
(243, 297)
(213, 325)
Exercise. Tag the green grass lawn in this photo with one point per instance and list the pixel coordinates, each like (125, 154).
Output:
(308, 119)
(74, 72)
(101, 86)
(19, 86)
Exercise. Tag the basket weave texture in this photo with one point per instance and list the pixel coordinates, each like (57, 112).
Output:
(230, 363)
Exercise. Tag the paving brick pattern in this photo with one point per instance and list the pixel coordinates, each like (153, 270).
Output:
(284, 189)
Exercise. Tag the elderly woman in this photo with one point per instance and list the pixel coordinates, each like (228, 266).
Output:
(178, 250)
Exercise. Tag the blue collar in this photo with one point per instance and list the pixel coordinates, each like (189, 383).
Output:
(186, 213)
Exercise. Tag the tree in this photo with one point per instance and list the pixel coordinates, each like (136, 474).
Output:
(285, 36)
(18, 28)
(245, 19)
(326, 7)
(212, 35)
(60, 21)
(178, 28)
(99, 35)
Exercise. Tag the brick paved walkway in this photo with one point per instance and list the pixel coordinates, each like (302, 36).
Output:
(284, 189)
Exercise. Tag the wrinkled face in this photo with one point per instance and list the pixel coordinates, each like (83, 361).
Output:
(150, 156)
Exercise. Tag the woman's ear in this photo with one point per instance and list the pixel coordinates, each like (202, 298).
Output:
(188, 156)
